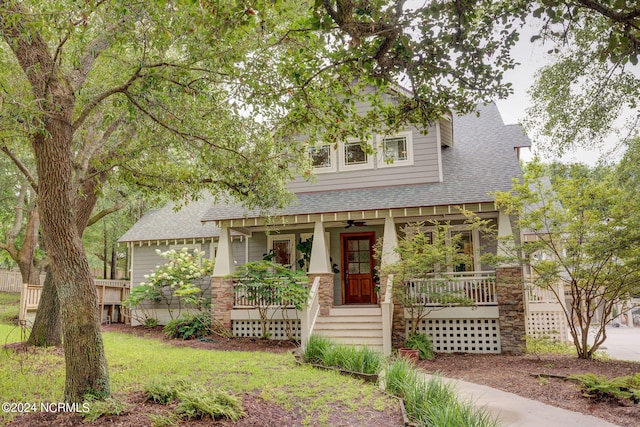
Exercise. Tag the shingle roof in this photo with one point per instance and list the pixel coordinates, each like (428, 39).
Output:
(481, 161)
(167, 223)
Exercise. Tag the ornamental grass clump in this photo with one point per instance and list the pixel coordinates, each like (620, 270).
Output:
(431, 402)
(321, 350)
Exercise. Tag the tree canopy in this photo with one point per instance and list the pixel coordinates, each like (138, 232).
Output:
(581, 236)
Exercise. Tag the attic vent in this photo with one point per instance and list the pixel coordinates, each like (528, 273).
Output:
(445, 132)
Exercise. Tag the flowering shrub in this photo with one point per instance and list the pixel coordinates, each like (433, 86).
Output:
(182, 281)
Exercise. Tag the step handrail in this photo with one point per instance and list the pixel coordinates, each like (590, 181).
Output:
(387, 317)
(310, 312)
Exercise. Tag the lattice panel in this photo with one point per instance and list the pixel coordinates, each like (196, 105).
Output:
(461, 335)
(547, 324)
(278, 329)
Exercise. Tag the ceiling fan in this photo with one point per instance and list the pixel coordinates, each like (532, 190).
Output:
(351, 223)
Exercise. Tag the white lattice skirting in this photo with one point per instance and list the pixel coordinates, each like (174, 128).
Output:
(277, 330)
(461, 335)
(547, 324)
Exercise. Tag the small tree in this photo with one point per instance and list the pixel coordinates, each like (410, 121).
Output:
(270, 287)
(427, 251)
(182, 280)
(585, 239)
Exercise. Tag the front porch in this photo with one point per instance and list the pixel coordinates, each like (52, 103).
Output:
(353, 305)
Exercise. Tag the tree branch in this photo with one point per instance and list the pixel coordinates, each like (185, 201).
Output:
(97, 217)
(22, 167)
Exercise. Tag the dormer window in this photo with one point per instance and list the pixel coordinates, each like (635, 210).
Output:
(354, 156)
(323, 158)
(396, 150)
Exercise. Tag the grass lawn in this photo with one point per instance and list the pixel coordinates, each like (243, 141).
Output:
(38, 374)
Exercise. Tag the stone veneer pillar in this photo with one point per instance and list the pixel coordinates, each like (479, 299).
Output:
(325, 291)
(510, 290)
(222, 301)
(399, 332)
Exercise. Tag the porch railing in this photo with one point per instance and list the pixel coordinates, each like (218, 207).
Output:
(110, 293)
(247, 298)
(478, 286)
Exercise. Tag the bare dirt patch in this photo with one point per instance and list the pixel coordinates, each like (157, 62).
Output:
(536, 378)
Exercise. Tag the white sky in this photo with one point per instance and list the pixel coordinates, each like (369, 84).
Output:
(532, 56)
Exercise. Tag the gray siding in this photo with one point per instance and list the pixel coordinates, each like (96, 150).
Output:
(446, 132)
(424, 169)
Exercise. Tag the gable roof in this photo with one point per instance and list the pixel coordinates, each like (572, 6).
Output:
(167, 223)
(482, 160)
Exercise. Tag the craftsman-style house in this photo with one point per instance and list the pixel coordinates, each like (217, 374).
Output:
(356, 199)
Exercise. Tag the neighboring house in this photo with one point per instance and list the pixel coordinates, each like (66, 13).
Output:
(357, 199)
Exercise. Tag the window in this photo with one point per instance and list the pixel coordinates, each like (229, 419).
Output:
(282, 247)
(396, 150)
(323, 158)
(354, 156)
(465, 247)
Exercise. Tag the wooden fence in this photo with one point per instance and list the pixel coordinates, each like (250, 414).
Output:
(11, 281)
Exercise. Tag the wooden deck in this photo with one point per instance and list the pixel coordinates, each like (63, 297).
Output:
(111, 293)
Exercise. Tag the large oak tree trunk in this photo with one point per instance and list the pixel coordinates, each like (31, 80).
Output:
(46, 330)
(86, 366)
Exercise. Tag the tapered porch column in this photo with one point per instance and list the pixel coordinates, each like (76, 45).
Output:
(320, 266)
(510, 290)
(221, 285)
(389, 256)
(393, 320)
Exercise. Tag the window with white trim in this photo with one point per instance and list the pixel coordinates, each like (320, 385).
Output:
(323, 158)
(395, 150)
(283, 248)
(353, 155)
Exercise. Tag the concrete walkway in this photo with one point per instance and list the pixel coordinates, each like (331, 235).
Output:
(513, 410)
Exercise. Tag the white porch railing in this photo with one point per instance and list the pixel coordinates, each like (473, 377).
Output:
(310, 312)
(387, 317)
(479, 286)
(246, 298)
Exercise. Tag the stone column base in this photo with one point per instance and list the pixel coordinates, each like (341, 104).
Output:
(325, 291)
(511, 309)
(222, 301)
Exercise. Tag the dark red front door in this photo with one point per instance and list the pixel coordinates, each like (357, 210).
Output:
(357, 268)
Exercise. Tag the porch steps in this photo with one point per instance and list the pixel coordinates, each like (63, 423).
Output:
(359, 326)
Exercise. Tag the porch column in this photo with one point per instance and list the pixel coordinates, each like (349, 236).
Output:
(221, 285)
(510, 292)
(320, 266)
(388, 257)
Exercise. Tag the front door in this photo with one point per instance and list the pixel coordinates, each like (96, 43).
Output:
(357, 268)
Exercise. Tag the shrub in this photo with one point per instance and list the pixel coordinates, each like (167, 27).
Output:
(189, 326)
(601, 388)
(194, 404)
(422, 343)
(109, 406)
(163, 391)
